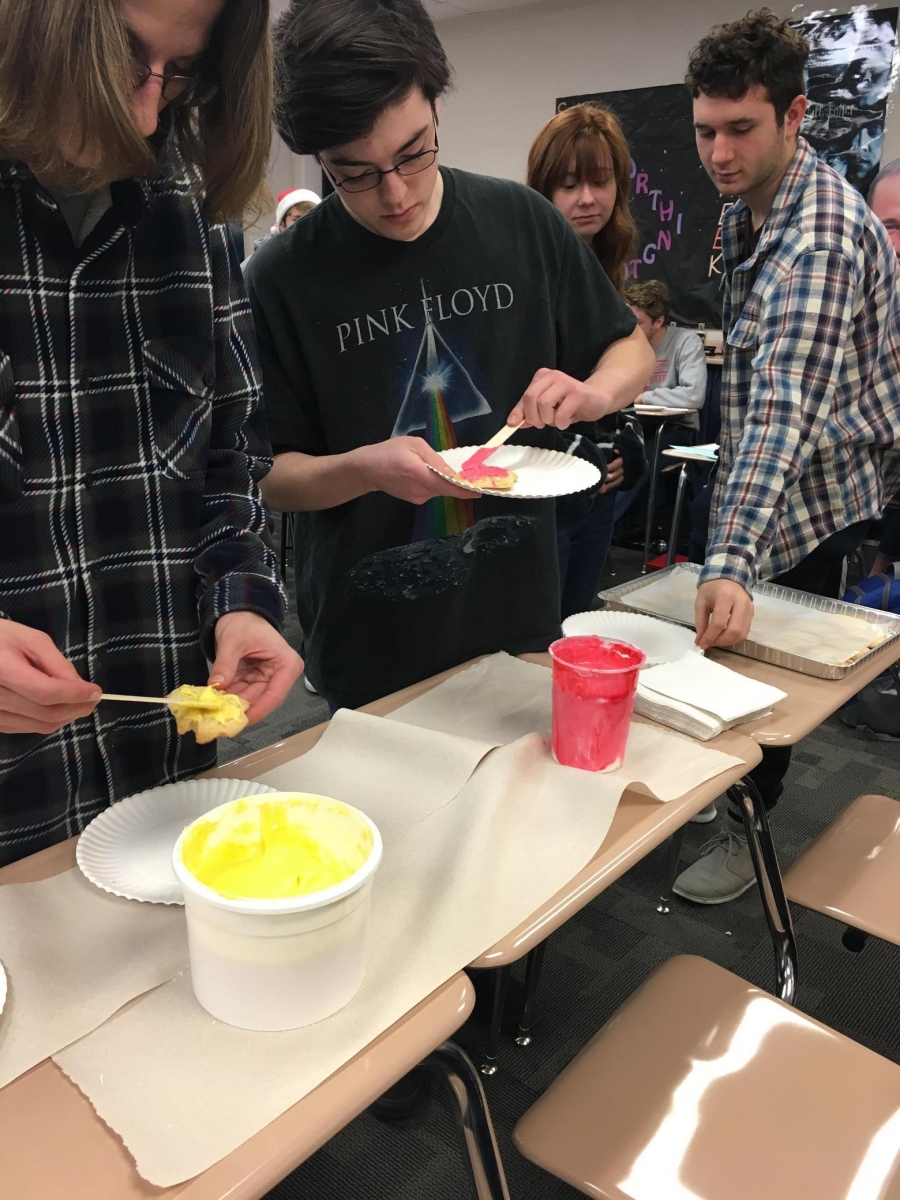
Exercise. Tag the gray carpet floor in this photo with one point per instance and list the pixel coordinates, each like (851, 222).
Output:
(598, 959)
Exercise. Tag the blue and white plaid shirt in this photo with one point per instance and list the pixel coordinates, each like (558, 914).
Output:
(811, 382)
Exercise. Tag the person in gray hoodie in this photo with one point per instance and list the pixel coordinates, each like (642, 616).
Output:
(679, 380)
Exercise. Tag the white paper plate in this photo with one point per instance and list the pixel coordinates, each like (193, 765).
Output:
(127, 849)
(541, 473)
(660, 410)
(660, 641)
(2, 989)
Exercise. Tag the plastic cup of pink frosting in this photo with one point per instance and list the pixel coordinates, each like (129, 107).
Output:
(594, 683)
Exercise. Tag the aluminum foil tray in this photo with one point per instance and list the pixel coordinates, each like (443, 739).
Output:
(614, 597)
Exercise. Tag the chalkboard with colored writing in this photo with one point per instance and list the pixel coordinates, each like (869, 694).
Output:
(677, 209)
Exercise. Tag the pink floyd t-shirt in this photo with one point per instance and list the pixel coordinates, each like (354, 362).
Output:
(363, 338)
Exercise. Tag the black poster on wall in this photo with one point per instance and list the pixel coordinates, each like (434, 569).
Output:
(677, 208)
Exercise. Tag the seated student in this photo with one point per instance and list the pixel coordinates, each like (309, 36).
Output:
(290, 207)
(679, 380)
(415, 309)
(581, 163)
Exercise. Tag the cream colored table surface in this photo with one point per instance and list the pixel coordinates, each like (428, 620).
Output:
(52, 1143)
(809, 701)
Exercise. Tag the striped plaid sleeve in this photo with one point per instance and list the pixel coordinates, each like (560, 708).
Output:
(800, 353)
(236, 564)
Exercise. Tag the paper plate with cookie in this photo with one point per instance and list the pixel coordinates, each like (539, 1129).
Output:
(520, 472)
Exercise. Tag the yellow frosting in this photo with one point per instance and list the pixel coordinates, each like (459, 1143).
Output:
(266, 848)
(207, 712)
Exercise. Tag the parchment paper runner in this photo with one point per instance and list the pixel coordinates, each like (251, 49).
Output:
(405, 774)
(63, 938)
(75, 955)
(449, 887)
(456, 878)
(503, 698)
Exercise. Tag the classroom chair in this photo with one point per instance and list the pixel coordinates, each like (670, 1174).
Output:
(704, 1087)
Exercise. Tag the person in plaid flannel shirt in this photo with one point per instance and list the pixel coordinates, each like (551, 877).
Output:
(811, 381)
(135, 542)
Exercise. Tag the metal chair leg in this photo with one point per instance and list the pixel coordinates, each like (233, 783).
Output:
(473, 1121)
(533, 968)
(673, 862)
(651, 494)
(778, 915)
(501, 986)
(672, 548)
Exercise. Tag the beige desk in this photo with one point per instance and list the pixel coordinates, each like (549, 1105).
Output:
(83, 1160)
(53, 1146)
(809, 701)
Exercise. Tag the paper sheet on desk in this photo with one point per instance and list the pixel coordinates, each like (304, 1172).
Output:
(407, 775)
(449, 887)
(457, 876)
(695, 680)
(502, 698)
(64, 938)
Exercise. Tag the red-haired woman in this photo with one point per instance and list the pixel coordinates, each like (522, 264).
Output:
(581, 163)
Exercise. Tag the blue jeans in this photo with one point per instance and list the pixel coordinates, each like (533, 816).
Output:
(584, 526)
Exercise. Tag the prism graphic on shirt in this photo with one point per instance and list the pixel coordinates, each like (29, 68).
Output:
(440, 394)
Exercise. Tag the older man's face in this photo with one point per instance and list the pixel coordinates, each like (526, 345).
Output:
(885, 204)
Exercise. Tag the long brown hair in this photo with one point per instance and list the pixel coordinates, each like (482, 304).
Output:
(67, 64)
(593, 137)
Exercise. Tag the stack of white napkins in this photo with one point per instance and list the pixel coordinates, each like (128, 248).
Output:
(701, 698)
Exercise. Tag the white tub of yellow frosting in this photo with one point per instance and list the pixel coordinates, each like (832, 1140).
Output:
(276, 891)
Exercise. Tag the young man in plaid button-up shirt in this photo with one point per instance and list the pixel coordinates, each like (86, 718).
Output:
(811, 382)
(134, 546)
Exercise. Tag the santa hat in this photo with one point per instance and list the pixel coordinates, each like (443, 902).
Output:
(288, 199)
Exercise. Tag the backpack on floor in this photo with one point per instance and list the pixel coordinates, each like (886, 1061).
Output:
(879, 591)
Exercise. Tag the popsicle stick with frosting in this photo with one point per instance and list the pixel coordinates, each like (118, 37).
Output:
(203, 711)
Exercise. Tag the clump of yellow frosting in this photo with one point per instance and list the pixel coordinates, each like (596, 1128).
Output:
(207, 712)
(269, 848)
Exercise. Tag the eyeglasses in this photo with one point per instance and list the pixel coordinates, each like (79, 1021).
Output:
(412, 165)
(187, 91)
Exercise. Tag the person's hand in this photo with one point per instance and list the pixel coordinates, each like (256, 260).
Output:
(40, 690)
(254, 661)
(722, 613)
(615, 473)
(554, 398)
(398, 467)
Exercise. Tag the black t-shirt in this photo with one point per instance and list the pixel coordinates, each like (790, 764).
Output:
(362, 338)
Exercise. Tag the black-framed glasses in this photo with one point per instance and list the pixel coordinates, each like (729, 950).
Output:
(189, 91)
(412, 165)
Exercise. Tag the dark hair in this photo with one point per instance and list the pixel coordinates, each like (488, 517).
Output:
(61, 59)
(594, 138)
(652, 297)
(340, 63)
(758, 49)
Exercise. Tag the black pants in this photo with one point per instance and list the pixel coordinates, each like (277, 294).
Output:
(819, 573)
